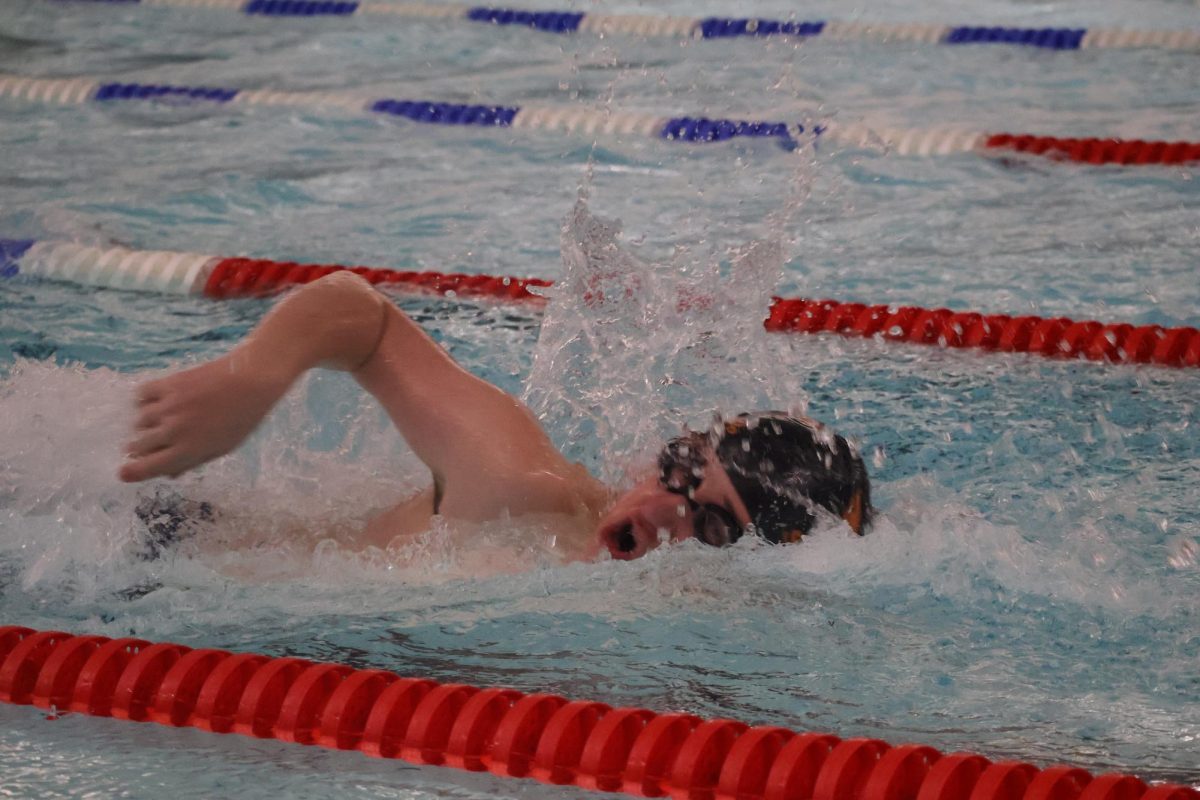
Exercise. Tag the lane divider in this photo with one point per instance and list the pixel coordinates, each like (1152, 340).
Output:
(566, 22)
(543, 737)
(685, 129)
(217, 277)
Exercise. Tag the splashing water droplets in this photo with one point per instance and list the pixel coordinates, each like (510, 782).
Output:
(629, 350)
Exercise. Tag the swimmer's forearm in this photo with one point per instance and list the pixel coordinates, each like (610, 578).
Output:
(335, 322)
(197, 414)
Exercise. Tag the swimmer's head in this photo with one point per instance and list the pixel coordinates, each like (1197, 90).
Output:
(785, 469)
(767, 472)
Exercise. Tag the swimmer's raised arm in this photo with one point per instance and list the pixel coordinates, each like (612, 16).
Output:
(462, 427)
(198, 414)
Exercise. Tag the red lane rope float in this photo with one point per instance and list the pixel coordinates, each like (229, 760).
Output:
(236, 277)
(542, 737)
(1097, 151)
(1060, 337)
(1053, 337)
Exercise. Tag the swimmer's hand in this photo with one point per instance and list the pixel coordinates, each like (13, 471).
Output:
(201, 413)
(198, 414)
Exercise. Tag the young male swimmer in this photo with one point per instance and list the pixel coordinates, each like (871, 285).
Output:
(765, 473)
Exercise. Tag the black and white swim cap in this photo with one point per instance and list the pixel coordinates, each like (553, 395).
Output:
(784, 468)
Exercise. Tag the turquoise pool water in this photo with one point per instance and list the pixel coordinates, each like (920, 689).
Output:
(1031, 588)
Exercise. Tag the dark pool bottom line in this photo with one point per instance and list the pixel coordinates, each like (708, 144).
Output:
(216, 277)
(543, 737)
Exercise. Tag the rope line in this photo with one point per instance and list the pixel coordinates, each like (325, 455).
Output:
(543, 737)
(216, 277)
(240, 277)
(684, 129)
(567, 22)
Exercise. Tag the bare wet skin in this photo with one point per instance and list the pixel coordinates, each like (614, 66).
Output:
(191, 417)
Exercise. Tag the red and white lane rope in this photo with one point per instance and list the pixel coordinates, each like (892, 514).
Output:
(543, 737)
(217, 277)
(694, 129)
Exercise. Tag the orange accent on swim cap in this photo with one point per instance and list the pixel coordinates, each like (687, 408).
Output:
(854, 514)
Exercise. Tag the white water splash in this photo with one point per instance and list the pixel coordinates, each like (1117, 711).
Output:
(630, 351)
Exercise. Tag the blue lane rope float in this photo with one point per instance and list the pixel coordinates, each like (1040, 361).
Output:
(549, 21)
(1051, 38)
(146, 91)
(728, 27)
(11, 253)
(703, 129)
(299, 8)
(593, 121)
(565, 22)
(446, 113)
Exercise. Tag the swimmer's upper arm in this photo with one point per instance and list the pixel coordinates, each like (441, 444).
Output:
(460, 425)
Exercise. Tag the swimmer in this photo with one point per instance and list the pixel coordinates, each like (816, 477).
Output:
(766, 473)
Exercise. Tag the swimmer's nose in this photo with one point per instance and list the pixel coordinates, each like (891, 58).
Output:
(668, 515)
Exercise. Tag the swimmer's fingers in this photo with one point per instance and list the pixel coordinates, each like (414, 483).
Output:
(148, 393)
(169, 461)
(148, 418)
(150, 440)
(150, 406)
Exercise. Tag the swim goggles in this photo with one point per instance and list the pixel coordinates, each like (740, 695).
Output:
(681, 467)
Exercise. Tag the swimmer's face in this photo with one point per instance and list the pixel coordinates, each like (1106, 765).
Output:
(650, 513)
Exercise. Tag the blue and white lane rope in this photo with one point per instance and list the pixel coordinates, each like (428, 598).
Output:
(78, 91)
(591, 121)
(563, 22)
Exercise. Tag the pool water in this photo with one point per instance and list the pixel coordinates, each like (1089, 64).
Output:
(1031, 587)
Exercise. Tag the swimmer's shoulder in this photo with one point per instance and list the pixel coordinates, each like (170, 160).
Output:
(557, 488)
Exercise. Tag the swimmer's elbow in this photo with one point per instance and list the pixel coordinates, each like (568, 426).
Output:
(361, 313)
(345, 289)
(342, 315)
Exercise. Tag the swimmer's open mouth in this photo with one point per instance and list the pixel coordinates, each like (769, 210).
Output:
(624, 540)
